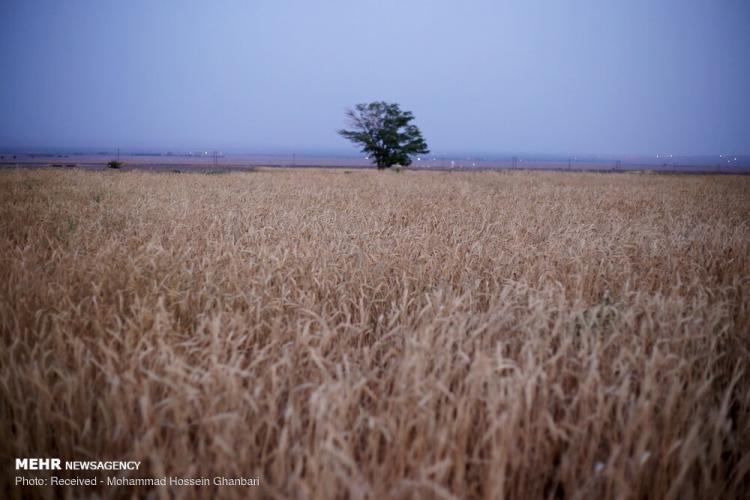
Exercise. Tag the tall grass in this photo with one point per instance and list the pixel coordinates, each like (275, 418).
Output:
(426, 335)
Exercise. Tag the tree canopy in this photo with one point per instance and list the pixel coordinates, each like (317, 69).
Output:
(385, 133)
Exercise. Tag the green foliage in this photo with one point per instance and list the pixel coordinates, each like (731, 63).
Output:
(114, 164)
(385, 133)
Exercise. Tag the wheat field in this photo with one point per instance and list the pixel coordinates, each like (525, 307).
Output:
(373, 335)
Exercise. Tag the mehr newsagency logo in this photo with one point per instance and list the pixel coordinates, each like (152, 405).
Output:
(57, 464)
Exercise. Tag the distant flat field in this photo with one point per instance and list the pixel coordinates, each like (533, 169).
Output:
(364, 334)
(238, 162)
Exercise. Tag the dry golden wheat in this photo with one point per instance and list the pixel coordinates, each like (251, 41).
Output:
(374, 335)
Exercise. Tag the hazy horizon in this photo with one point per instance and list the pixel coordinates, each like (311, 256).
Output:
(349, 153)
(485, 78)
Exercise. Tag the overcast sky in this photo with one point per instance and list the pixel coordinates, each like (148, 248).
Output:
(567, 76)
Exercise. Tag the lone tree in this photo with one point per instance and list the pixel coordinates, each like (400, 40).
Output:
(384, 132)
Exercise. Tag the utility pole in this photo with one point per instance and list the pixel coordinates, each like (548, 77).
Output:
(294, 159)
(118, 155)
